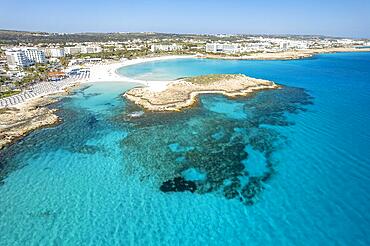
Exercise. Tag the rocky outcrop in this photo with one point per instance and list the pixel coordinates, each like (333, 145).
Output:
(17, 122)
(182, 93)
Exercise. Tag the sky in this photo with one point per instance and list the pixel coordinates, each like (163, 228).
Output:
(344, 18)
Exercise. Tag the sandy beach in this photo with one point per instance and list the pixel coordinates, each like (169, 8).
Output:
(98, 73)
(31, 113)
(108, 72)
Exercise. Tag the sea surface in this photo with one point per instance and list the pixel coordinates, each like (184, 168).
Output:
(281, 167)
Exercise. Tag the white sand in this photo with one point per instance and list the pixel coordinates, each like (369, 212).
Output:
(108, 72)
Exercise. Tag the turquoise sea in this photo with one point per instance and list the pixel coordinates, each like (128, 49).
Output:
(282, 167)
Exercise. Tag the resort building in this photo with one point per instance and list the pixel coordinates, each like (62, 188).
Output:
(255, 47)
(82, 49)
(293, 44)
(24, 57)
(17, 58)
(55, 52)
(72, 50)
(34, 55)
(91, 49)
(222, 48)
(165, 47)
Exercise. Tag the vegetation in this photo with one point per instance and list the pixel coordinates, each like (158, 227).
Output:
(3, 80)
(9, 93)
(36, 73)
(26, 80)
(65, 61)
(15, 37)
(212, 78)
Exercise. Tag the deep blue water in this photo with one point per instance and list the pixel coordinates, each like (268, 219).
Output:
(283, 167)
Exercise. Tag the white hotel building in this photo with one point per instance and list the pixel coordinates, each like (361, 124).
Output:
(165, 47)
(91, 49)
(222, 48)
(35, 55)
(24, 57)
(17, 58)
(82, 49)
(55, 52)
(72, 50)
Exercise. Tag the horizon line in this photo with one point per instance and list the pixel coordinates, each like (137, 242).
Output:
(188, 33)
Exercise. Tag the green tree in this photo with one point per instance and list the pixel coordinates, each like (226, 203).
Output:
(64, 61)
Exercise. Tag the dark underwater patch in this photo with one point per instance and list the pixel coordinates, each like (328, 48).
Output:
(92, 121)
(88, 95)
(218, 144)
(178, 184)
(86, 149)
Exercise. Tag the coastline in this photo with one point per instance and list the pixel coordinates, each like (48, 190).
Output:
(286, 55)
(64, 90)
(20, 119)
(108, 72)
(16, 122)
(35, 107)
(183, 93)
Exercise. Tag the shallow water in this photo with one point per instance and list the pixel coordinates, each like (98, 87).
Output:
(289, 166)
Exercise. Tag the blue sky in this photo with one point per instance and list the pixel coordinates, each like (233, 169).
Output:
(350, 18)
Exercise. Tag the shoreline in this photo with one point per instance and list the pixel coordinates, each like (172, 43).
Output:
(35, 106)
(108, 72)
(286, 55)
(183, 93)
(17, 122)
(101, 73)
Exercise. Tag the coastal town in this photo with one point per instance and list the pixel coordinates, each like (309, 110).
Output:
(36, 64)
(192, 123)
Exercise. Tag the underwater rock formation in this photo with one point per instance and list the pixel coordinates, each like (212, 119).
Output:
(178, 184)
(213, 143)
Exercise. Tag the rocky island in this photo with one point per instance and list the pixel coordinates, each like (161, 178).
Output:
(182, 93)
(18, 121)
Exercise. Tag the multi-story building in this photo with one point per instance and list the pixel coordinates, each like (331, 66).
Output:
(82, 49)
(222, 48)
(255, 47)
(17, 58)
(165, 47)
(293, 44)
(91, 49)
(24, 57)
(35, 55)
(72, 50)
(55, 52)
